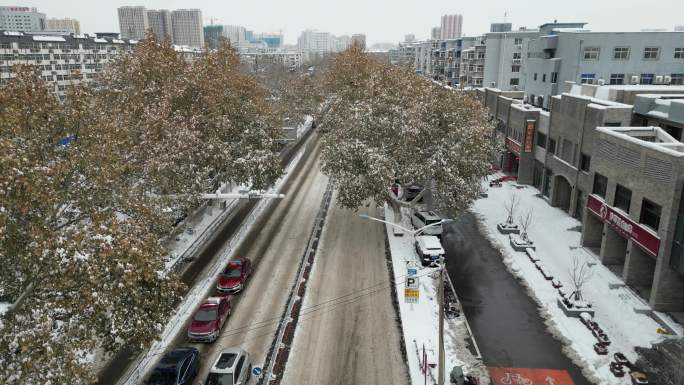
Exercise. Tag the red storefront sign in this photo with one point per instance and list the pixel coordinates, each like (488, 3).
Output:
(513, 146)
(624, 226)
(529, 135)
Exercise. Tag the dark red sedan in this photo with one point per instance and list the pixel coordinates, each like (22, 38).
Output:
(234, 276)
(209, 319)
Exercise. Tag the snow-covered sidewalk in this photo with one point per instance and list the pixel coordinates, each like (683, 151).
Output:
(556, 236)
(420, 320)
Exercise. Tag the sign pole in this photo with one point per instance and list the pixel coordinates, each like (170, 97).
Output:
(440, 377)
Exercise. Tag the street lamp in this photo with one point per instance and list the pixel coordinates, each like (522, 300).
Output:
(441, 364)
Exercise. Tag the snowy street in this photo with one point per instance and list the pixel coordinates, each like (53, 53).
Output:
(347, 332)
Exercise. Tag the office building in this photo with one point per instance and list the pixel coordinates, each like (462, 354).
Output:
(570, 53)
(612, 157)
(159, 22)
(13, 18)
(451, 26)
(65, 25)
(133, 22)
(187, 27)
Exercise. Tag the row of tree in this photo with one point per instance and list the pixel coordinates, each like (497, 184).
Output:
(92, 184)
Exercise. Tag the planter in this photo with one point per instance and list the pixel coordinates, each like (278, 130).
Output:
(508, 228)
(532, 255)
(544, 271)
(519, 244)
(573, 311)
(556, 284)
(600, 349)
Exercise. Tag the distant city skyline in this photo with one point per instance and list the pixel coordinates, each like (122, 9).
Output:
(380, 20)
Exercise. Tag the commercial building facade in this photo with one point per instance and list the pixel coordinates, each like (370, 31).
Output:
(22, 19)
(605, 155)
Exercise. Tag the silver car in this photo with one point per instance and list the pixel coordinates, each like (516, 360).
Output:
(232, 367)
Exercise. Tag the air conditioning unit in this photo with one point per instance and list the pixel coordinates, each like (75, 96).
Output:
(601, 82)
(667, 79)
(659, 79)
(515, 88)
(635, 79)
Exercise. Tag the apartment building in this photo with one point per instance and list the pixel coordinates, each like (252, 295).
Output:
(506, 58)
(609, 156)
(472, 68)
(315, 41)
(61, 60)
(133, 22)
(159, 22)
(186, 25)
(359, 38)
(65, 25)
(569, 53)
(24, 19)
(451, 27)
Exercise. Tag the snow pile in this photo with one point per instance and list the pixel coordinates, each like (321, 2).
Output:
(557, 238)
(420, 320)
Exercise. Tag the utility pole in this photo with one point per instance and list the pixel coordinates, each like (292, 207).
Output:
(440, 365)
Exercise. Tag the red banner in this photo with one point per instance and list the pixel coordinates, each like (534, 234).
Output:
(624, 226)
(513, 146)
(529, 136)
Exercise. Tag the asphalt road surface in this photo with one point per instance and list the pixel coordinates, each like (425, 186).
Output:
(504, 319)
(353, 338)
(276, 247)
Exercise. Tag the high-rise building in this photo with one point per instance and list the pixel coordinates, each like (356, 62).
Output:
(451, 26)
(133, 22)
(435, 33)
(22, 19)
(315, 41)
(159, 22)
(409, 38)
(235, 33)
(213, 35)
(187, 27)
(64, 25)
(359, 38)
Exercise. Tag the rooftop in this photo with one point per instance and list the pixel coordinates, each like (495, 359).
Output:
(669, 107)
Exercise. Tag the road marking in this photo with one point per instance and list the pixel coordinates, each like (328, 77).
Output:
(527, 376)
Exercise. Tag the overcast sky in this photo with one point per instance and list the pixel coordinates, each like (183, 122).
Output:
(382, 20)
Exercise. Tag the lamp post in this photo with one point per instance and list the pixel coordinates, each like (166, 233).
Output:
(440, 365)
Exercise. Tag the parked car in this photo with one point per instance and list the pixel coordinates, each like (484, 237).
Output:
(209, 319)
(177, 367)
(423, 218)
(429, 249)
(232, 367)
(235, 275)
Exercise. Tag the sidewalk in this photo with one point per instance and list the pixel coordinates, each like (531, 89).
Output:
(557, 239)
(420, 320)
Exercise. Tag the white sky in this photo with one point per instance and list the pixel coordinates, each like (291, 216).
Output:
(381, 20)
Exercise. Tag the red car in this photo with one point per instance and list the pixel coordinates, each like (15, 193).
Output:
(235, 275)
(209, 319)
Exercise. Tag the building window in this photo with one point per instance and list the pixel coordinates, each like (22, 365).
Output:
(541, 140)
(567, 151)
(515, 81)
(585, 162)
(587, 78)
(535, 76)
(650, 214)
(591, 53)
(621, 53)
(617, 78)
(677, 79)
(623, 198)
(552, 146)
(646, 79)
(679, 53)
(517, 55)
(518, 41)
(543, 78)
(515, 68)
(651, 53)
(600, 185)
(554, 77)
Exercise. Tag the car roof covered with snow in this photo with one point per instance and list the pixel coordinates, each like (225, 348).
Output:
(429, 242)
(227, 360)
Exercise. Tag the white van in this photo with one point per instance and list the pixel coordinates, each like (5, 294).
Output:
(423, 218)
(429, 249)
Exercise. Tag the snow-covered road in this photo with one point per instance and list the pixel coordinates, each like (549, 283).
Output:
(347, 332)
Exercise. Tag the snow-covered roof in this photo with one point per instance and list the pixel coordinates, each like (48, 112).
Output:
(654, 138)
(133, 41)
(99, 40)
(48, 38)
(13, 33)
(117, 41)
